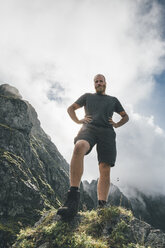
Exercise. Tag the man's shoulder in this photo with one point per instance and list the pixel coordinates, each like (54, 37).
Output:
(88, 94)
(93, 95)
(113, 98)
(96, 95)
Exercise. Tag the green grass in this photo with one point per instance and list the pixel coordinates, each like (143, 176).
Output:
(87, 231)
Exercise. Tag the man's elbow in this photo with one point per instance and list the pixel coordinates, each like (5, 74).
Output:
(127, 118)
(70, 109)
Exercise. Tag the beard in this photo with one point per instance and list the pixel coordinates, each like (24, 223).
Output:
(100, 89)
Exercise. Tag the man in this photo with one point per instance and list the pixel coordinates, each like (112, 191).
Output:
(98, 128)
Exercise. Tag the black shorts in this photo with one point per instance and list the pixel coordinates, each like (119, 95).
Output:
(105, 140)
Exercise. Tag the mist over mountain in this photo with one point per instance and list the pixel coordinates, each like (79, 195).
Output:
(115, 197)
(150, 208)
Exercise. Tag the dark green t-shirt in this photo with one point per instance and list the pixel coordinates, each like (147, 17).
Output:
(100, 107)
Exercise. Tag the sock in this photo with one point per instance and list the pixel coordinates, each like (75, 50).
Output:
(72, 188)
(102, 202)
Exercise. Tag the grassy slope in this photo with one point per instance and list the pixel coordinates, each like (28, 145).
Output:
(108, 229)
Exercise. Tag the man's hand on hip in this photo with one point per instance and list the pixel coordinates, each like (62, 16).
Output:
(114, 124)
(124, 119)
(87, 119)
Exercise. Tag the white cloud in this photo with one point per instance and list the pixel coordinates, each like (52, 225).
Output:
(140, 160)
(66, 43)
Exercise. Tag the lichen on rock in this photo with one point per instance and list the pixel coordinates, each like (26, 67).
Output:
(111, 227)
(31, 166)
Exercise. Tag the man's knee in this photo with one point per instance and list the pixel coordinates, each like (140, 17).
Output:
(81, 147)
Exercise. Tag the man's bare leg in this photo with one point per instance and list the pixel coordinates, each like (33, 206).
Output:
(77, 162)
(70, 207)
(104, 182)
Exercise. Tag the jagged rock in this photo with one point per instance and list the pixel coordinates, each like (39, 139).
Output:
(149, 208)
(45, 245)
(115, 197)
(113, 227)
(86, 202)
(156, 238)
(91, 188)
(140, 230)
(9, 91)
(14, 114)
(33, 173)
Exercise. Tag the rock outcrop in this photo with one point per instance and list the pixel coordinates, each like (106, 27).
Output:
(33, 174)
(150, 208)
(112, 227)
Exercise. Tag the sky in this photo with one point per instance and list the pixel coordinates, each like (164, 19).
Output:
(51, 50)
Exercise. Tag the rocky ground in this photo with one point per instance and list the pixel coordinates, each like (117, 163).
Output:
(112, 227)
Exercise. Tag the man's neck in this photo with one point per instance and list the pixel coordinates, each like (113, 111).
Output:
(100, 93)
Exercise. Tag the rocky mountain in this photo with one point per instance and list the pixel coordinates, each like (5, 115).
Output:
(150, 208)
(115, 198)
(33, 174)
(34, 177)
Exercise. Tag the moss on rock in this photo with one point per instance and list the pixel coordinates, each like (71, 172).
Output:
(105, 228)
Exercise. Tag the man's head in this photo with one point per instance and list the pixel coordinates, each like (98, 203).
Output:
(100, 84)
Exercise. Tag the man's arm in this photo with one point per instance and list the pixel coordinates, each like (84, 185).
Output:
(124, 119)
(71, 111)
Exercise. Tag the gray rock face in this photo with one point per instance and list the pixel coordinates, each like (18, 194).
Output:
(149, 208)
(115, 225)
(136, 231)
(143, 233)
(33, 174)
(14, 113)
(91, 188)
(156, 238)
(9, 91)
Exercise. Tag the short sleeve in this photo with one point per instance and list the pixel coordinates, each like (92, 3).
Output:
(118, 107)
(81, 100)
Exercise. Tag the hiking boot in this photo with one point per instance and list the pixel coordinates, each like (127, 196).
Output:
(101, 206)
(70, 207)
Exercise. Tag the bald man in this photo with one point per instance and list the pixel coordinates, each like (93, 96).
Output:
(97, 129)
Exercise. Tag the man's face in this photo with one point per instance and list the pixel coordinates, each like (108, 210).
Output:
(100, 84)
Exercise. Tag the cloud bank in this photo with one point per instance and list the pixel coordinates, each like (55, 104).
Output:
(51, 50)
